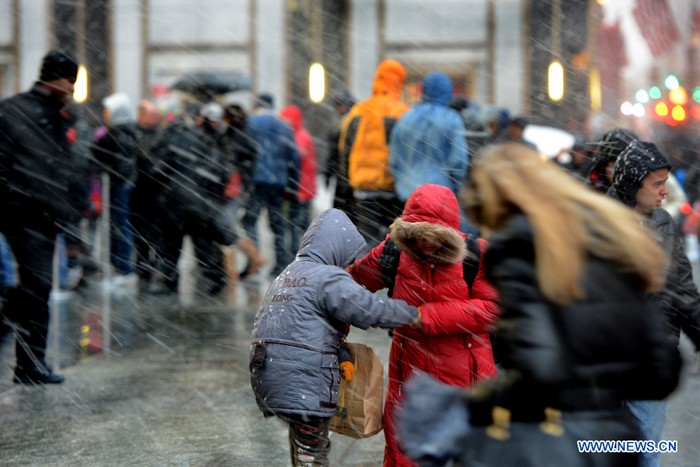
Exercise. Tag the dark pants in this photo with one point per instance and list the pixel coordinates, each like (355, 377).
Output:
(147, 233)
(205, 226)
(375, 215)
(299, 217)
(271, 198)
(27, 305)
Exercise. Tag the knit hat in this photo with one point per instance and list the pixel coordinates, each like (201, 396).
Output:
(120, 109)
(56, 65)
(212, 112)
(638, 160)
(265, 101)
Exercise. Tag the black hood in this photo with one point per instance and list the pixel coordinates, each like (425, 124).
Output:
(637, 161)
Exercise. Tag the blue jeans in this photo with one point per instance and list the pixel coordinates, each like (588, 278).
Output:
(651, 419)
(121, 232)
(270, 198)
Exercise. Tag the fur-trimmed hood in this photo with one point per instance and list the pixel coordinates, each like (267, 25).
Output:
(432, 213)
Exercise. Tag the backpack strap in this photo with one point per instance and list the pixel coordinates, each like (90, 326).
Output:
(470, 265)
(389, 263)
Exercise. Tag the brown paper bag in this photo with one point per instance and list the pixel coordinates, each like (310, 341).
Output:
(359, 410)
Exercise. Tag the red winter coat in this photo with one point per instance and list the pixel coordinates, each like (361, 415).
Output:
(307, 152)
(453, 345)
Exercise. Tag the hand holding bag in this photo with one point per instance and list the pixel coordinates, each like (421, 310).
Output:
(359, 410)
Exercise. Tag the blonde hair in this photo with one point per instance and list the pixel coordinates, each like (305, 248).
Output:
(569, 220)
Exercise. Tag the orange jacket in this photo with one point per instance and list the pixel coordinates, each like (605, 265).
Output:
(364, 138)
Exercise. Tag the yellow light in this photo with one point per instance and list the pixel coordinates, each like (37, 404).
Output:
(80, 94)
(595, 90)
(678, 113)
(555, 83)
(317, 83)
(661, 109)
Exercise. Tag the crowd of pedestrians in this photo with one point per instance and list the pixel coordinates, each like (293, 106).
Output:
(409, 182)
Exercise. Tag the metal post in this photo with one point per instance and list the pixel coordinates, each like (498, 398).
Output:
(54, 306)
(106, 266)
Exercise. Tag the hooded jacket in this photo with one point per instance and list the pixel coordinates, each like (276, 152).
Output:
(453, 345)
(366, 131)
(680, 300)
(428, 143)
(302, 320)
(277, 162)
(307, 152)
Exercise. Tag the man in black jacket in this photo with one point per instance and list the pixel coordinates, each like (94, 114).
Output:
(40, 196)
(639, 181)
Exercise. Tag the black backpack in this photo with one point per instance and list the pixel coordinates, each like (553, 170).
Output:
(389, 262)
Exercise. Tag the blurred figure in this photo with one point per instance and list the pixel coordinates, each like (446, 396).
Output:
(336, 167)
(276, 175)
(428, 144)
(605, 152)
(364, 142)
(299, 327)
(579, 164)
(453, 344)
(514, 132)
(300, 206)
(117, 153)
(240, 151)
(576, 336)
(41, 194)
(639, 181)
(146, 197)
(193, 167)
(477, 132)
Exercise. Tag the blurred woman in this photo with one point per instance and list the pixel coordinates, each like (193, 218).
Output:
(576, 337)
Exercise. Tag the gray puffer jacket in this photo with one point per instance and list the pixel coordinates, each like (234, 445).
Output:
(304, 316)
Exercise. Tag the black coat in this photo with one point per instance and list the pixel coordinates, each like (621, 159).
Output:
(42, 179)
(240, 152)
(117, 152)
(191, 164)
(680, 300)
(590, 355)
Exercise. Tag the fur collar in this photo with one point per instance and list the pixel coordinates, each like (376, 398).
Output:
(405, 235)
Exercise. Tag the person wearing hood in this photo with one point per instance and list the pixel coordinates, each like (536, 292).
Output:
(299, 329)
(605, 153)
(639, 181)
(117, 153)
(41, 194)
(300, 205)
(364, 143)
(453, 344)
(428, 143)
